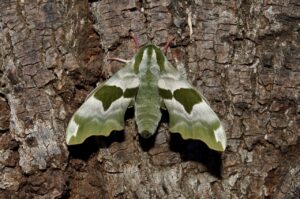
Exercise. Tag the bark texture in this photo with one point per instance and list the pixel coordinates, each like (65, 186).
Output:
(244, 55)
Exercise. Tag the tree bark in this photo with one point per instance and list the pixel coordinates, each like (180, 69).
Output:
(244, 56)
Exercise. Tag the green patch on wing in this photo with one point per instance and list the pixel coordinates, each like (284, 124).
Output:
(107, 95)
(131, 92)
(188, 97)
(164, 93)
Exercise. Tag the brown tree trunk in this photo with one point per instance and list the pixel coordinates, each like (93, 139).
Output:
(243, 55)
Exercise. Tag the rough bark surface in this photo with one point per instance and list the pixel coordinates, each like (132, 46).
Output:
(243, 55)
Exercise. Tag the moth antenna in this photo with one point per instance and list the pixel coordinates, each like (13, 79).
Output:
(168, 44)
(136, 41)
(118, 59)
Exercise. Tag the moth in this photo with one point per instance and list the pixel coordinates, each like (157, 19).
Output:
(149, 83)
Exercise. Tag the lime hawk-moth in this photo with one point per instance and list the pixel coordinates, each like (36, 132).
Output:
(149, 83)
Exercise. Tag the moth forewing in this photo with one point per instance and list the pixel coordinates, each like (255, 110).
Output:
(104, 109)
(189, 112)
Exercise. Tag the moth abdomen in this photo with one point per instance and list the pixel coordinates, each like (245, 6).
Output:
(146, 134)
(147, 118)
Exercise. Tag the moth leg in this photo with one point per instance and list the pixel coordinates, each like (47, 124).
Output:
(136, 41)
(118, 59)
(168, 44)
(179, 63)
